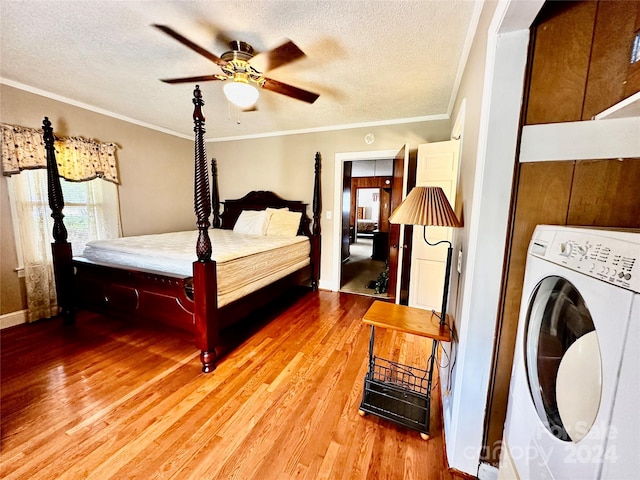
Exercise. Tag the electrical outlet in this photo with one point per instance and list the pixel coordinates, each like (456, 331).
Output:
(460, 261)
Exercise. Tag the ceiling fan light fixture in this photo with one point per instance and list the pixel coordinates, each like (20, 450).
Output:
(241, 93)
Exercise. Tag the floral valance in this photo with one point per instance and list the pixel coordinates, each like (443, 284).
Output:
(78, 159)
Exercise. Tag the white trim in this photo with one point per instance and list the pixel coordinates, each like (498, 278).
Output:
(505, 63)
(91, 108)
(332, 128)
(629, 107)
(12, 319)
(487, 472)
(587, 140)
(458, 125)
(466, 49)
(518, 15)
(340, 158)
(324, 285)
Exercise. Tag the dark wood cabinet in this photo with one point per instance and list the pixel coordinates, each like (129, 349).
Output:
(560, 62)
(610, 69)
(606, 193)
(581, 59)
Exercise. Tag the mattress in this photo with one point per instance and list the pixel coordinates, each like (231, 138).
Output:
(244, 263)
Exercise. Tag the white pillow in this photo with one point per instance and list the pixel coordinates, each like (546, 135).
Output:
(252, 222)
(274, 209)
(284, 223)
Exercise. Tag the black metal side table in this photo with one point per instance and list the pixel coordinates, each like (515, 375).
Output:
(397, 392)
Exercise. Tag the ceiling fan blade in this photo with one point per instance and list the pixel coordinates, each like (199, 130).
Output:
(285, 53)
(201, 78)
(185, 41)
(290, 90)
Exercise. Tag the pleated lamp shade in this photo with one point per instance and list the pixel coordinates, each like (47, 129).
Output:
(426, 206)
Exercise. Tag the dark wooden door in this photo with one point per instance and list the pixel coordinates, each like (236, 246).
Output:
(394, 229)
(346, 210)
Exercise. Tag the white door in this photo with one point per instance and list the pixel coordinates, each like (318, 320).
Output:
(437, 165)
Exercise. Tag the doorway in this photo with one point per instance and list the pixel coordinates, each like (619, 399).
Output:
(363, 232)
(364, 268)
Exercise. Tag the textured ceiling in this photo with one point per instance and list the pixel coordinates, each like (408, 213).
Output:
(370, 61)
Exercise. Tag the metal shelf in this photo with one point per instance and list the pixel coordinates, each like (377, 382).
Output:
(394, 391)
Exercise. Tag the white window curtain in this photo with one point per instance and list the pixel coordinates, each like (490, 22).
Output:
(91, 206)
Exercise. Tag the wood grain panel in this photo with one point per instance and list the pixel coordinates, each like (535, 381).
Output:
(633, 72)
(542, 198)
(606, 193)
(560, 62)
(610, 54)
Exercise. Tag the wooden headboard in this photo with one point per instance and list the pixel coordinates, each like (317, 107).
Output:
(260, 200)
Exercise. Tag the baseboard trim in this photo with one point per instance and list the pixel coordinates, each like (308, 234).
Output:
(12, 319)
(487, 471)
(454, 472)
(322, 285)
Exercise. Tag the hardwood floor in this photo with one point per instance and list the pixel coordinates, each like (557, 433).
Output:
(103, 399)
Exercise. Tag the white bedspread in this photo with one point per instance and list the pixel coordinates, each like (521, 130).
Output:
(244, 262)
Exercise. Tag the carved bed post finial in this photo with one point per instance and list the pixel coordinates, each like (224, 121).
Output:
(56, 199)
(317, 200)
(201, 200)
(205, 290)
(60, 248)
(317, 209)
(215, 196)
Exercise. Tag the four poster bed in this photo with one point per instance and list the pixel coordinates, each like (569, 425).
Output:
(201, 287)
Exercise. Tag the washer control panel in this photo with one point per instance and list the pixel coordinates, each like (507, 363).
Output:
(609, 255)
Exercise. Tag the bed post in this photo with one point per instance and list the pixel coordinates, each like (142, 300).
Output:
(215, 196)
(204, 269)
(315, 233)
(60, 248)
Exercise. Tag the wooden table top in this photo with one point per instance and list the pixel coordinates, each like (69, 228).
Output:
(408, 319)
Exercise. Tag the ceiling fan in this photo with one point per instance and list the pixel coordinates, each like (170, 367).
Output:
(243, 77)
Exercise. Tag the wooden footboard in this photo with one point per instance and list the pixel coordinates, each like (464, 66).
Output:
(187, 303)
(134, 294)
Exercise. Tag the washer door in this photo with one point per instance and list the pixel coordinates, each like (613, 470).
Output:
(562, 359)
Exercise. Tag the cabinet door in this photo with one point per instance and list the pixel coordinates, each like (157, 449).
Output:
(560, 62)
(609, 68)
(605, 193)
(632, 84)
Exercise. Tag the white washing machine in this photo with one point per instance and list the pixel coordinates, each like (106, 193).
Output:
(575, 385)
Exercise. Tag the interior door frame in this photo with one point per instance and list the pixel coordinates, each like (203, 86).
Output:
(340, 158)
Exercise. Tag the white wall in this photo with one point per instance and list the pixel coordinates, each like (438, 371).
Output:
(492, 92)
(284, 165)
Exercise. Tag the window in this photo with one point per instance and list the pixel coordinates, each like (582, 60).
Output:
(91, 212)
(92, 202)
